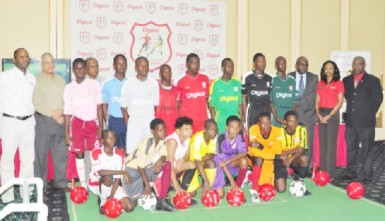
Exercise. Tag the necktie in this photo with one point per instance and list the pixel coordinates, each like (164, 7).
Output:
(301, 86)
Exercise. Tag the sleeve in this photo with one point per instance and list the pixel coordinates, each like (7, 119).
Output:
(303, 136)
(277, 145)
(241, 145)
(125, 98)
(98, 93)
(96, 165)
(67, 110)
(377, 95)
(295, 92)
(195, 147)
(271, 94)
(105, 94)
(213, 97)
(239, 88)
(245, 85)
(341, 88)
(155, 91)
(38, 100)
(207, 81)
(163, 151)
(212, 146)
(253, 133)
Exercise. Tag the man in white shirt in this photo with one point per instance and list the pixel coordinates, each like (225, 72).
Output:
(17, 86)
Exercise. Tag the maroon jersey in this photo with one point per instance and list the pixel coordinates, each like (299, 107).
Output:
(167, 109)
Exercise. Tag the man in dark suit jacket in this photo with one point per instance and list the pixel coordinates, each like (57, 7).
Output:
(305, 107)
(363, 94)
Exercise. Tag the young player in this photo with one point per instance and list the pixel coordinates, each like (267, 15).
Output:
(168, 96)
(294, 145)
(106, 173)
(225, 96)
(148, 162)
(230, 157)
(202, 151)
(264, 148)
(83, 116)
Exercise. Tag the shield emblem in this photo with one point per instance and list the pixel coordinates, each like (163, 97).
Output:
(182, 8)
(84, 5)
(151, 40)
(101, 22)
(118, 6)
(84, 37)
(151, 7)
(101, 53)
(213, 10)
(199, 53)
(198, 25)
(182, 39)
(213, 69)
(181, 68)
(118, 37)
(213, 40)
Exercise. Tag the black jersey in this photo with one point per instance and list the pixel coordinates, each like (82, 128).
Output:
(257, 88)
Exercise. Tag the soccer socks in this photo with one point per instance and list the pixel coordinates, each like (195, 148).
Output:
(165, 180)
(241, 176)
(255, 174)
(187, 177)
(81, 172)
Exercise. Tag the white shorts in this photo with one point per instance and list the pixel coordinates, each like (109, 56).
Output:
(106, 191)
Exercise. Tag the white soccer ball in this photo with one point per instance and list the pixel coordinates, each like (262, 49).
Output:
(147, 202)
(297, 188)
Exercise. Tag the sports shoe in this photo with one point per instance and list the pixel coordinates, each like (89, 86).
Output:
(254, 196)
(165, 205)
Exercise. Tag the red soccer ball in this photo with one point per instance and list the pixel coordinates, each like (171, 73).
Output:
(355, 190)
(321, 178)
(266, 192)
(235, 197)
(112, 208)
(210, 198)
(182, 200)
(79, 195)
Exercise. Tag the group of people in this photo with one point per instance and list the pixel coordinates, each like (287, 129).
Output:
(159, 133)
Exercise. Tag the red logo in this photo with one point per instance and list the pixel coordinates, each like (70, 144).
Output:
(199, 53)
(84, 37)
(182, 8)
(101, 22)
(213, 69)
(101, 53)
(198, 25)
(213, 40)
(151, 40)
(84, 5)
(118, 37)
(182, 39)
(151, 7)
(213, 10)
(118, 6)
(181, 68)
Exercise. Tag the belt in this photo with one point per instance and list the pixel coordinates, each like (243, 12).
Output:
(17, 117)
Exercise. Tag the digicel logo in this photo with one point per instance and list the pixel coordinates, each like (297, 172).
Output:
(195, 95)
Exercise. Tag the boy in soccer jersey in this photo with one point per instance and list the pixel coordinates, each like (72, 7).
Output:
(225, 96)
(256, 87)
(202, 151)
(168, 96)
(194, 92)
(283, 94)
(294, 145)
(230, 156)
(106, 173)
(264, 149)
(83, 116)
(148, 163)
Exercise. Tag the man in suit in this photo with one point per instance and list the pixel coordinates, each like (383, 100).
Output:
(363, 94)
(306, 84)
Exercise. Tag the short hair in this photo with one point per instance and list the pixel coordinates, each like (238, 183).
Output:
(279, 58)
(78, 60)
(226, 60)
(17, 51)
(232, 118)
(155, 122)
(47, 54)
(290, 113)
(336, 75)
(119, 56)
(182, 121)
(191, 56)
(209, 122)
(164, 66)
(257, 55)
(105, 132)
(264, 114)
(359, 57)
(92, 59)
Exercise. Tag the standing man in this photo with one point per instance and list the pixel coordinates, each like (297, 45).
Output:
(225, 96)
(111, 91)
(92, 68)
(363, 96)
(16, 90)
(256, 87)
(48, 101)
(194, 92)
(139, 97)
(306, 85)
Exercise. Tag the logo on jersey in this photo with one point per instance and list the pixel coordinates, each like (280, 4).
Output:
(204, 84)
(259, 93)
(284, 95)
(296, 140)
(290, 88)
(195, 95)
(268, 84)
(235, 89)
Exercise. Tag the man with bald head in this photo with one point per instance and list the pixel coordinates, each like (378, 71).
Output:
(17, 86)
(363, 94)
(48, 101)
(306, 85)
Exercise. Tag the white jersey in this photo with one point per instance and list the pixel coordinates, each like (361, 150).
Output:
(181, 149)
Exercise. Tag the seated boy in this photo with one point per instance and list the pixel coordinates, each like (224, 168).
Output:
(230, 157)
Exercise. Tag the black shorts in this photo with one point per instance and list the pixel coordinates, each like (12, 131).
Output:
(280, 171)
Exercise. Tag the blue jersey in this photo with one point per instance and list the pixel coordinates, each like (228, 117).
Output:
(111, 91)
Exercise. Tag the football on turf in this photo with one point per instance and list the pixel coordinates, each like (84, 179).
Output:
(297, 188)
(147, 202)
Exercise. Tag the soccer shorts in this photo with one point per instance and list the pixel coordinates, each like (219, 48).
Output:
(280, 171)
(84, 135)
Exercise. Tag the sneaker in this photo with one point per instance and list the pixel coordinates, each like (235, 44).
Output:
(254, 196)
(165, 205)
(307, 193)
(193, 202)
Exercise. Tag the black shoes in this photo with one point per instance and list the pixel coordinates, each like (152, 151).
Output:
(307, 193)
(165, 205)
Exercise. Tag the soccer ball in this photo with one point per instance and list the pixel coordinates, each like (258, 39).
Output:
(321, 178)
(112, 208)
(355, 190)
(182, 200)
(79, 195)
(235, 197)
(210, 198)
(297, 188)
(266, 192)
(147, 202)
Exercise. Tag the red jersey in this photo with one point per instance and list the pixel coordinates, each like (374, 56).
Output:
(194, 92)
(167, 109)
